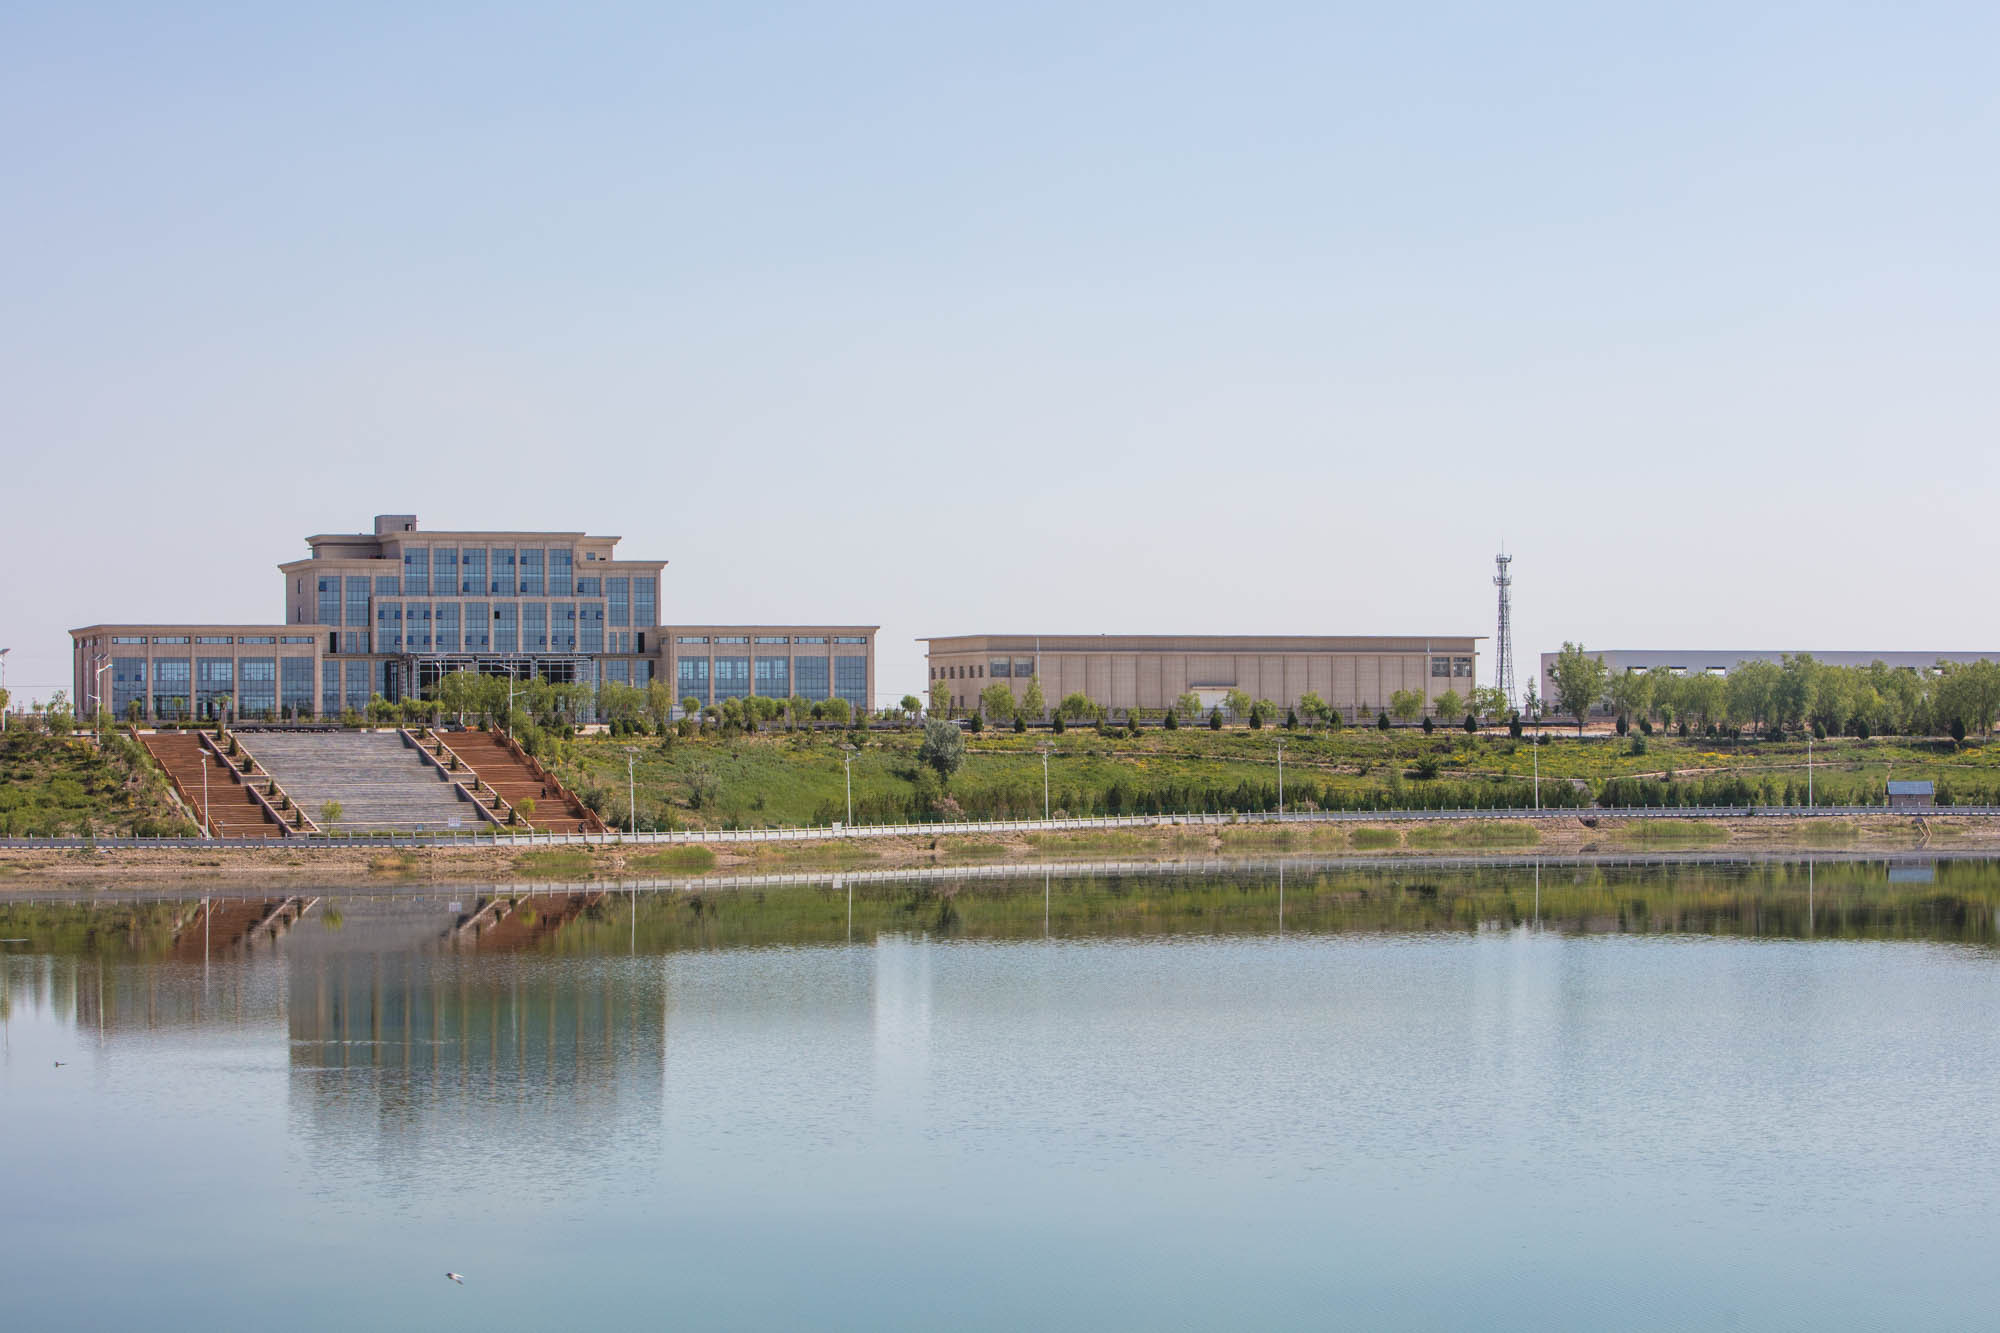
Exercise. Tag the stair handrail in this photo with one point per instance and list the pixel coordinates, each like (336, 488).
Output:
(244, 781)
(471, 793)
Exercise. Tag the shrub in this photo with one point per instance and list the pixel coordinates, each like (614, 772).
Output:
(1645, 726)
(977, 724)
(1215, 719)
(1256, 720)
(1471, 725)
(1020, 724)
(1428, 725)
(1514, 726)
(1819, 731)
(1381, 722)
(1173, 722)
(1623, 725)
(1058, 724)
(1291, 719)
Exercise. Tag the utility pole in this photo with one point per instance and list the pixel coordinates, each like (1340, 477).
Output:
(847, 760)
(1044, 748)
(631, 801)
(1281, 777)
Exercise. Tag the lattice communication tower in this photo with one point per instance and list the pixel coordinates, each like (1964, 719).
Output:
(1503, 653)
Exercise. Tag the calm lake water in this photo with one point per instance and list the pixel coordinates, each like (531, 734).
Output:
(1413, 1097)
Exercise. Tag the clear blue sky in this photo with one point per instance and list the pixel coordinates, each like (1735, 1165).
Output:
(1051, 318)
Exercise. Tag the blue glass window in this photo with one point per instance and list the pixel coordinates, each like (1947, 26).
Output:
(357, 686)
(444, 570)
(774, 677)
(642, 674)
(621, 600)
(417, 627)
(388, 627)
(850, 681)
(128, 682)
(693, 678)
(472, 570)
(295, 684)
(172, 694)
(329, 600)
(354, 641)
(357, 604)
(530, 570)
(562, 581)
(506, 625)
(590, 617)
(812, 682)
(562, 627)
(257, 686)
(417, 571)
(618, 672)
(645, 600)
(534, 627)
(215, 685)
(591, 586)
(732, 678)
(329, 691)
(388, 585)
(447, 627)
(501, 570)
(478, 626)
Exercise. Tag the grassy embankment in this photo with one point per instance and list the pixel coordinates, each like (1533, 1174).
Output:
(793, 779)
(52, 786)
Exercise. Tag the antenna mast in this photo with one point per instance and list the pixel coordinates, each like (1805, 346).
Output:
(1503, 654)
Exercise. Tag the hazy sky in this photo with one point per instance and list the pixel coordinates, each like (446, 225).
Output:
(1063, 318)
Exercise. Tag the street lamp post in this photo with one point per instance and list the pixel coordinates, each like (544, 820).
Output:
(1281, 777)
(97, 691)
(631, 793)
(3, 686)
(1537, 751)
(847, 761)
(1044, 748)
(1809, 784)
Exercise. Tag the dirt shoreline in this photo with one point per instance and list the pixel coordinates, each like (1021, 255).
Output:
(23, 869)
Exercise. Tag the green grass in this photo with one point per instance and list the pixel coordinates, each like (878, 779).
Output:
(796, 779)
(53, 787)
(1827, 833)
(1369, 838)
(556, 862)
(1494, 834)
(673, 861)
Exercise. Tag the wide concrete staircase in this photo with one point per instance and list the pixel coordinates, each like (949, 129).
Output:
(503, 768)
(382, 784)
(232, 811)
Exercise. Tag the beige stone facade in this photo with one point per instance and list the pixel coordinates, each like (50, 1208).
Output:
(1356, 675)
(184, 671)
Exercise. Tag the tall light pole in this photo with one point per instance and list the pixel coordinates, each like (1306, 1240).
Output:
(847, 760)
(207, 828)
(1281, 777)
(1809, 786)
(1536, 749)
(3, 686)
(1044, 748)
(97, 691)
(631, 793)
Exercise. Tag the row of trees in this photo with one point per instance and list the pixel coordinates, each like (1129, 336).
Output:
(998, 704)
(1797, 692)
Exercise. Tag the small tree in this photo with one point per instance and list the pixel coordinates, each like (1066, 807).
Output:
(1256, 718)
(978, 723)
(1312, 706)
(1448, 704)
(1428, 724)
(1237, 702)
(1020, 724)
(1058, 724)
(1291, 719)
(329, 815)
(1579, 680)
(940, 693)
(1215, 719)
(912, 705)
(997, 702)
(1076, 707)
(943, 748)
(1514, 727)
(1406, 705)
(1032, 703)
(1173, 722)
(1381, 722)
(1188, 705)
(1471, 725)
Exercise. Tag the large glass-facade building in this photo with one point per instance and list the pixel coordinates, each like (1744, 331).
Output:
(390, 611)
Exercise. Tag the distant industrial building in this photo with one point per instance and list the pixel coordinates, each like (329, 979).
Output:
(1356, 675)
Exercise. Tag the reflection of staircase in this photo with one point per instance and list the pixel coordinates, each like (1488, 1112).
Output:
(217, 924)
(507, 924)
(233, 812)
(502, 766)
(380, 782)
